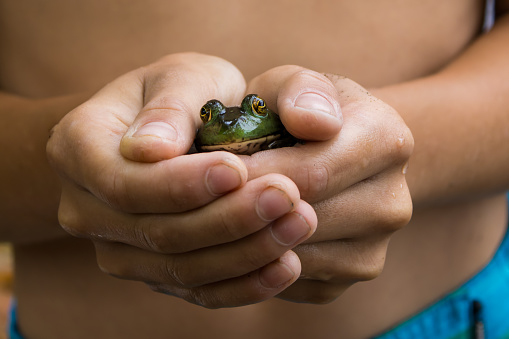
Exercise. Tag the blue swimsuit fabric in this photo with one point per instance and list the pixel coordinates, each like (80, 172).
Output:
(478, 309)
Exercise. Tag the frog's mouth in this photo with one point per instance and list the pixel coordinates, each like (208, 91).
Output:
(247, 147)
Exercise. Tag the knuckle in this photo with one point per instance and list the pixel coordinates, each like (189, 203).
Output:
(367, 265)
(369, 269)
(153, 236)
(404, 144)
(70, 222)
(62, 138)
(403, 213)
(364, 260)
(104, 267)
(387, 137)
(400, 145)
(410, 142)
(174, 270)
(394, 212)
(52, 146)
(70, 219)
(320, 82)
(177, 106)
(108, 265)
(313, 180)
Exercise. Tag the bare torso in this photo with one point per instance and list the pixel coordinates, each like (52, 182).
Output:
(60, 47)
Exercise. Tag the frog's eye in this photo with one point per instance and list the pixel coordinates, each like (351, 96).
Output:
(205, 114)
(259, 106)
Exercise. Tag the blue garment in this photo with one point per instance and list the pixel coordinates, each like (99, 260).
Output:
(481, 304)
(489, 15)
(12, 324)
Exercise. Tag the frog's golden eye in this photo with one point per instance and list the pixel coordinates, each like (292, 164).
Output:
(205, 114)
(259, 106)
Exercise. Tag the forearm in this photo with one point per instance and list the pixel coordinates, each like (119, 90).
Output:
(30, 190)
(460, 121)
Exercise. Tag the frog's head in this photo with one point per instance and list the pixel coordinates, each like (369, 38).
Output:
(245, 129)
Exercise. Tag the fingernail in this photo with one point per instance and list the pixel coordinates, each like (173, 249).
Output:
(290, 229)
(275, 275)
(316, 103)
(273, 203)
(222, 178)
(158, 129)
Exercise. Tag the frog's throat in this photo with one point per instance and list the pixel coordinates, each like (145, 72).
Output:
(247, 147)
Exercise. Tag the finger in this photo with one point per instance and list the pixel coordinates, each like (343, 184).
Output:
(252, 288)
(373, 138)
(206, 265)
(180, 184)
(376, 207)
(165, 119)
(347, 261)
(306, 101)
(355, 226)
(352, 240)
(228, 219)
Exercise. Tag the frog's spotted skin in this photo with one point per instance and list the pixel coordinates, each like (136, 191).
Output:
(247, 129)
(246, 147)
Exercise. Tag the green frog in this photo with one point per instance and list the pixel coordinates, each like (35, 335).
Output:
(247, 129)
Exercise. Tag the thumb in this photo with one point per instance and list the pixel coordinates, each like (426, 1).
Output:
(307, 101)
(175, 88)
(159, 133)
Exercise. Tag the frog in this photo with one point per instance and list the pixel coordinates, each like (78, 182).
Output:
(245, 129)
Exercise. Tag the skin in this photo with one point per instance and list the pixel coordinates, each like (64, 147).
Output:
(352, 177)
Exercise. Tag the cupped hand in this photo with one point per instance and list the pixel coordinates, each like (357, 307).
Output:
(189, 225)
(355, 179)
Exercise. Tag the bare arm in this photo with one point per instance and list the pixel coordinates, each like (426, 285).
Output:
(460, 121)
(29, 187)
